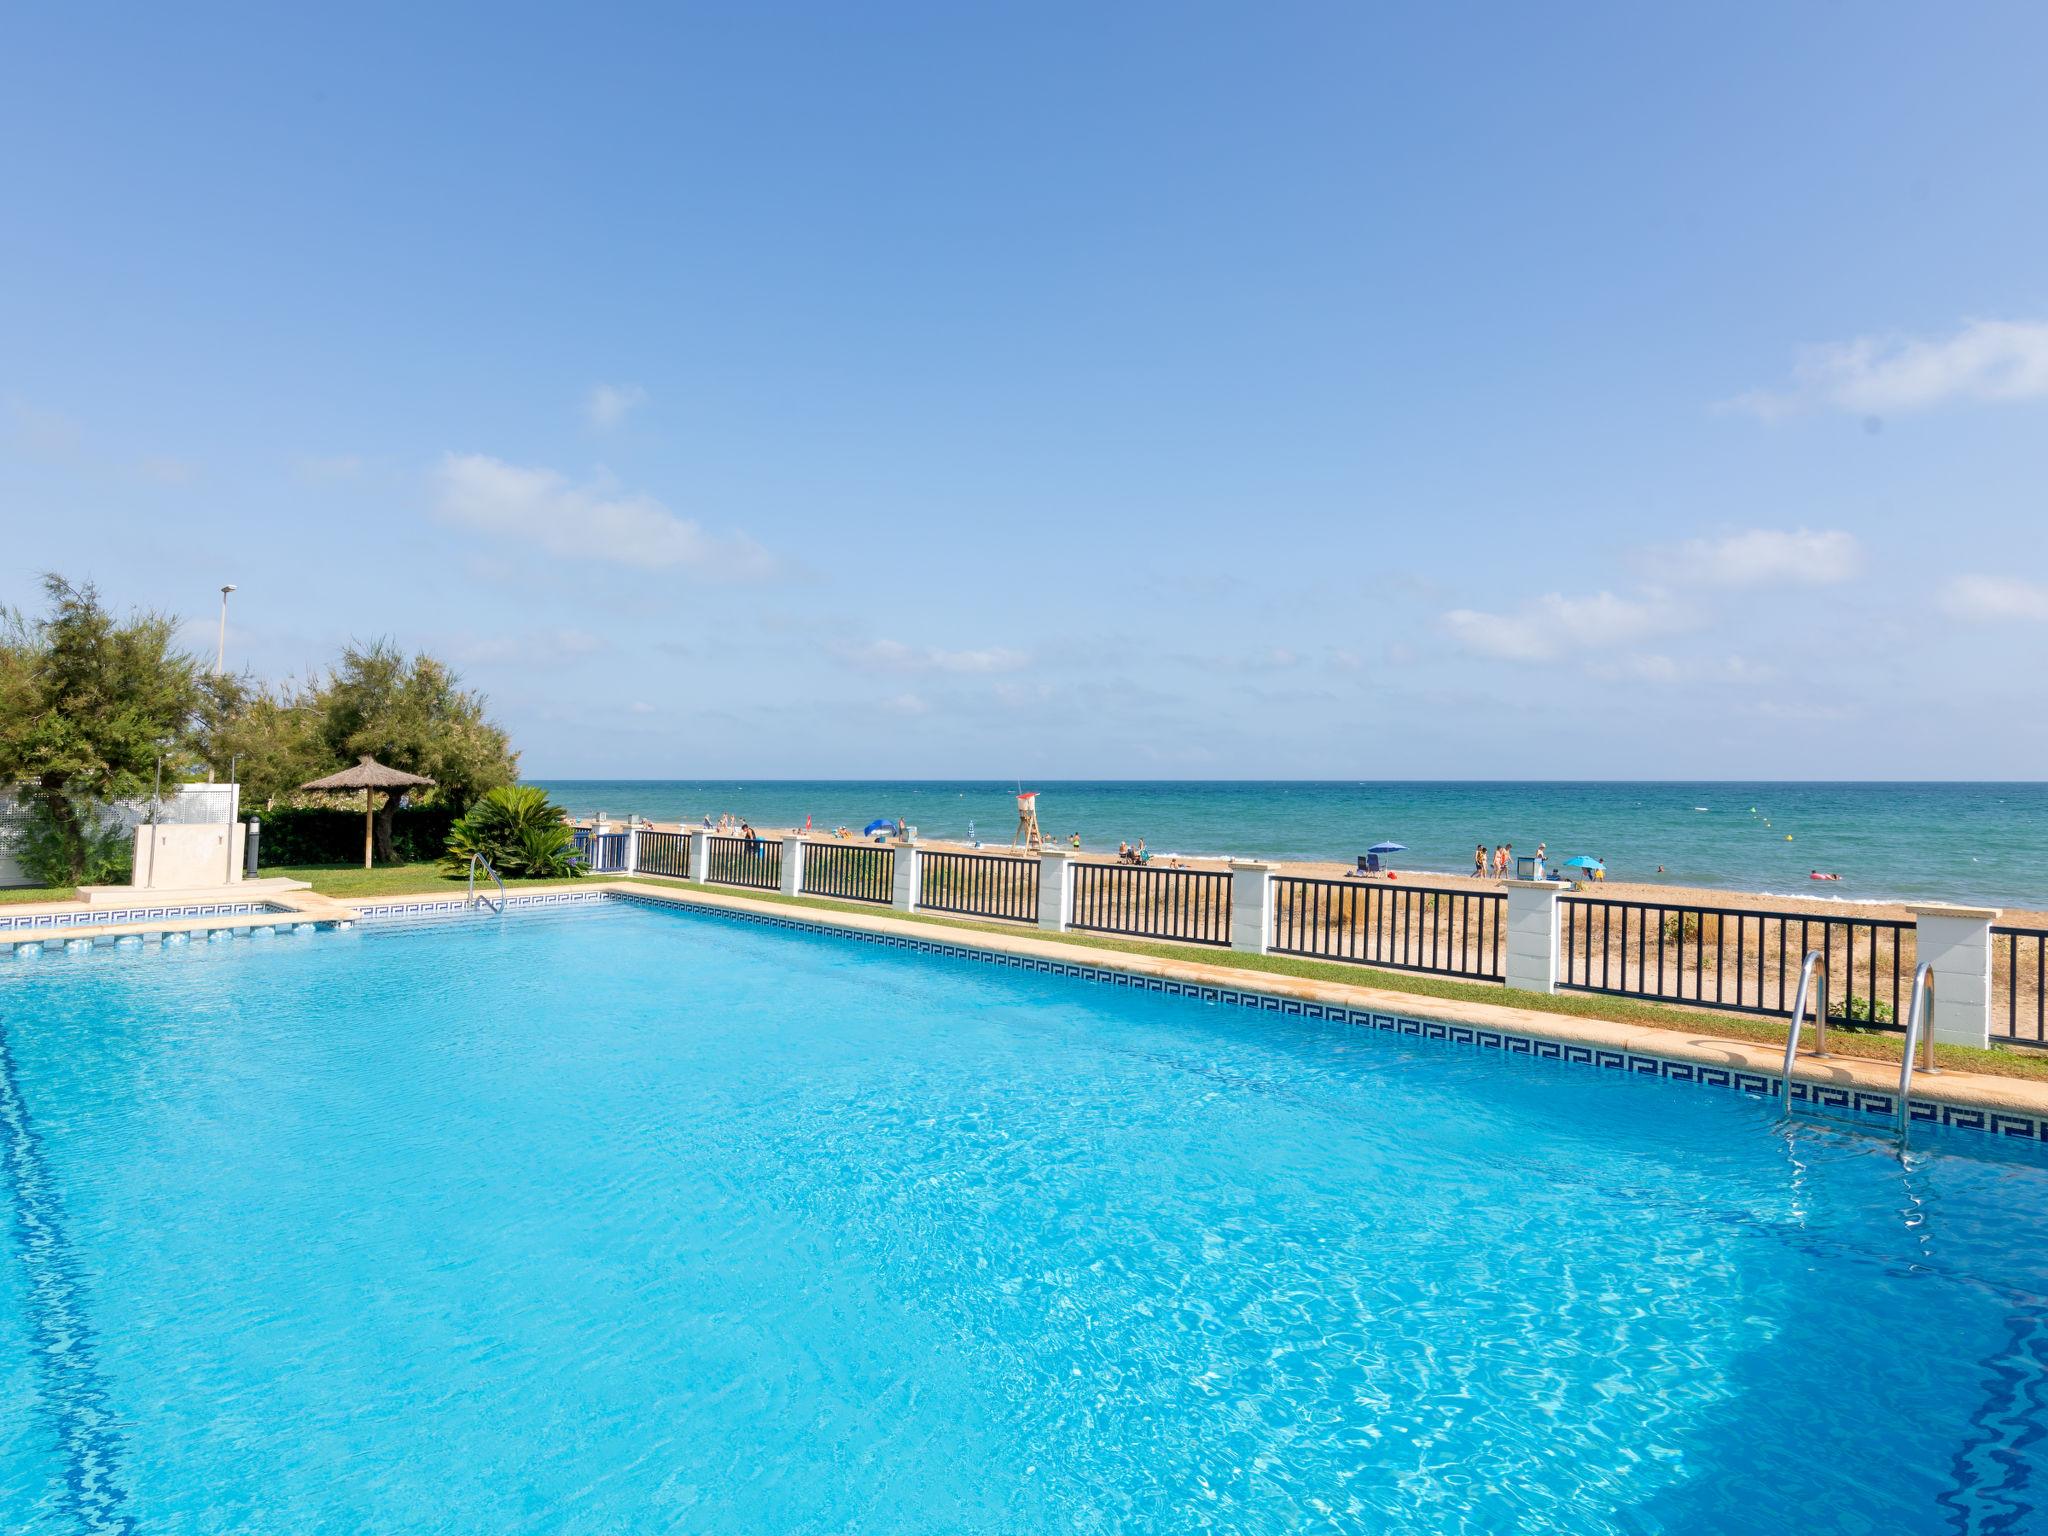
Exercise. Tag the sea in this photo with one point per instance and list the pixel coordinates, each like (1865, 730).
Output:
(1968, 843)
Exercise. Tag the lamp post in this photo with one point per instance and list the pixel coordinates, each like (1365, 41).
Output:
(220, 656)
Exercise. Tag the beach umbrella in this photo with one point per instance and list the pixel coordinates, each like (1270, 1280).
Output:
(1386, 848)
(1582, 862)
(879, 824)
(369, 775)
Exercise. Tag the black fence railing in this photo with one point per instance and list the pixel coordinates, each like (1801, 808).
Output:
(850, 871)
(1402, 927)
(603, 853)
(979, 885)
(1731, 958)
(2019, 1003)
(753, 862)
(664, 853)
(1189, 905)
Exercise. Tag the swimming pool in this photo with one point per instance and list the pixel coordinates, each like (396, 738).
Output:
(610, 1218)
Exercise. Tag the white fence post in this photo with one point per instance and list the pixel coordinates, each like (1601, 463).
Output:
(1251, 901)
(632, 848)
(700, 855)
(793, 864)
(1956, 941)
(1055, 890)
(1532, 934)
(909, 871)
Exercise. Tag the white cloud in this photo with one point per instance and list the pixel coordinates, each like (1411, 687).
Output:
(895, 656)
(1764, 557)
(1995, 600)
(1554, 625)
(590, 522)
(609, 404)
(1997, 360)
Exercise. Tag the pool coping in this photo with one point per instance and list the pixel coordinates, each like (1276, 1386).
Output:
(2003, 1106)
(292, 908)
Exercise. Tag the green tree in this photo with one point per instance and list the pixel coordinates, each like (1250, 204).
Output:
(411, 713)
(90, 706)
(267, 739)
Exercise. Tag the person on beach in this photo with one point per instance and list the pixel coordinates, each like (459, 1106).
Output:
(753, 838)
(1479, 862)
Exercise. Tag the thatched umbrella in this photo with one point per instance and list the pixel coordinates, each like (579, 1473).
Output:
(369, 775)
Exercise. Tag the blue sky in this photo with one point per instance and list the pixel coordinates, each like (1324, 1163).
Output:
(1063, 390)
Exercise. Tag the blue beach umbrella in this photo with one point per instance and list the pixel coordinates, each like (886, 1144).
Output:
(879, 824)
(1582, 862)
(1387, 848)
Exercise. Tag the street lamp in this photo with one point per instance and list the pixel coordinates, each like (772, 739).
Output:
(220, 656)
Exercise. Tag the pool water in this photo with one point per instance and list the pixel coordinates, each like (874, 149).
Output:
(631, 1220)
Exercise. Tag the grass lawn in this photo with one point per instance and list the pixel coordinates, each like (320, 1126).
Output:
(342, 881)
(39, 893)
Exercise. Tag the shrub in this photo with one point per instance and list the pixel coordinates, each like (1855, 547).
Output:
(321, 835)
(87, 852)
(1692, 928)
(1860, 1010)
(519, 831)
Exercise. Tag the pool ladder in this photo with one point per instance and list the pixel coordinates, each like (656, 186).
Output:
(473, 899)
(1919, 1027)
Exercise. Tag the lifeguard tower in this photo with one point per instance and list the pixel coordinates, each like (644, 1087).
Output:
(1027, 821)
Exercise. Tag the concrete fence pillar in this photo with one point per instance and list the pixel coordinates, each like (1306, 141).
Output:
(909, 877)
(1956, 942)
(1055, 890)
(793, 865)
(700, 855)
(632, 865)
(1532, 934)
(1251, 905)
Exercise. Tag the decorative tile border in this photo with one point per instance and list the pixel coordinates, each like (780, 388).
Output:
(436, 909)
(100, 916)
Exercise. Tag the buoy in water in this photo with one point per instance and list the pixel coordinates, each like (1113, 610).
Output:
(1788, 837)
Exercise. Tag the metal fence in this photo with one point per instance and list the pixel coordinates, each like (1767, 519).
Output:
(2019, 1003)
(755, 863)
(850, 871)
(1727, 957)
(980, 885)
(1191, 905)
(664, 853)
(1403, 927)
(602, 853)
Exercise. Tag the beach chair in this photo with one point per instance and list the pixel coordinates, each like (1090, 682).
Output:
(1368, 863)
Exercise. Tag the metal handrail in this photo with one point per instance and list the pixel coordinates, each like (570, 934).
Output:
(1919, 1031)
(472, 899)
(1814, 961)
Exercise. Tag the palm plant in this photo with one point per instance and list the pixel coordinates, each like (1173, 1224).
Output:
(519, 831)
